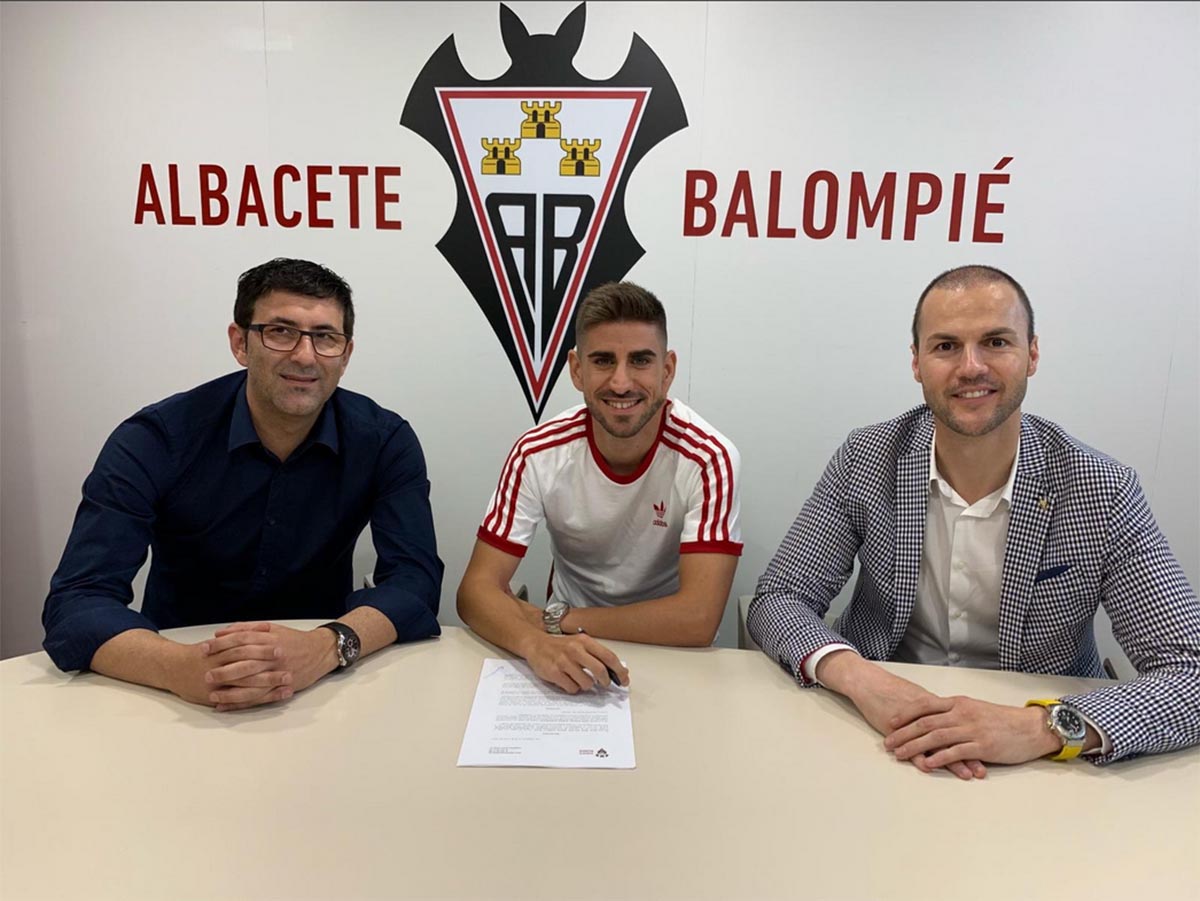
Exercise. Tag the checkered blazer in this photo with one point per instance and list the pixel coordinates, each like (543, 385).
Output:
(1080, 534)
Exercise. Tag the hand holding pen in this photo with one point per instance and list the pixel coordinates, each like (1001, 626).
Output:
(574, 662)
(612, 673)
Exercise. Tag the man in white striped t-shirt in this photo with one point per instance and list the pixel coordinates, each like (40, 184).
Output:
(640, 497)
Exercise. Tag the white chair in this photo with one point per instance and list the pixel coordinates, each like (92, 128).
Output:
(745, 642)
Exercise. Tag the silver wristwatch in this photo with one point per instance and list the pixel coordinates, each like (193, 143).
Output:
(348, 644)
(1068, 725)
(552, 616)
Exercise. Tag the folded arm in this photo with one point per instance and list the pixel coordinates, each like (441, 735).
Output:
(882, 698)
(242, 665)
(90, 591)
(408, 571)
(816, 557)
(401, 606)
(297, 657)
(945, 731)
(87, 617)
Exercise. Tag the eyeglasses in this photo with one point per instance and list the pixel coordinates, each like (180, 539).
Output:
(285, 339)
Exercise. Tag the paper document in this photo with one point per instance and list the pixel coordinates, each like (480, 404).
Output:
(519, 720)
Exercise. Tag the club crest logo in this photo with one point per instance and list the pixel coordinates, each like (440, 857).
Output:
(541, 157)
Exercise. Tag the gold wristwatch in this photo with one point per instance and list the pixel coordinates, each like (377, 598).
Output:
(1066, 723)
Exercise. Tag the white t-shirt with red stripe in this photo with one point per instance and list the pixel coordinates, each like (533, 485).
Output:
(617, 539)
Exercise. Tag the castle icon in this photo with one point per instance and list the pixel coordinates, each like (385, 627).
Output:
(545, 127)
(501, 156)
(580, 158)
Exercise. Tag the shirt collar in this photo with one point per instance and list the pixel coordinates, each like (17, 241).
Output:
(947, 490)
(242, 432)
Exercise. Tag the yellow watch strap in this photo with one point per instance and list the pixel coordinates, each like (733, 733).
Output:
(1068, 751)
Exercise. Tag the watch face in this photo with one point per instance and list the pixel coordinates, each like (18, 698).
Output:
(1070, 722)
(556, 610)
(351, 648)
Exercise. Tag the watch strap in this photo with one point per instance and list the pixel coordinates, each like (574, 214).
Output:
(1070, 749)
(552, 617)
(346, 637)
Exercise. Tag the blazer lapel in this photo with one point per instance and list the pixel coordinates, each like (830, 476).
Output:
(912, 498)
(1029, 520)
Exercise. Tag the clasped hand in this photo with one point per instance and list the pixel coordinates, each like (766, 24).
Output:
(887, 702)
(933, 732)
(248, 664)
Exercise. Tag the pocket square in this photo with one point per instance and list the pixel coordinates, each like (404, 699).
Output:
(1051, 572)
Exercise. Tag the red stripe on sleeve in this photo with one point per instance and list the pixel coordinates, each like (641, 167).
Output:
(511, 514)
(733, 548)
(509, 547)
(718, 478)
(704, 479)
(720, 445)
(493, 518)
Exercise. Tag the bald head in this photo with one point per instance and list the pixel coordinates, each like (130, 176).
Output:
(964, 277)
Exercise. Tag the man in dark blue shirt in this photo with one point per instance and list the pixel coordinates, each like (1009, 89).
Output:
(251, 491)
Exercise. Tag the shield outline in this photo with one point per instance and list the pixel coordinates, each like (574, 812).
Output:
(539, 382)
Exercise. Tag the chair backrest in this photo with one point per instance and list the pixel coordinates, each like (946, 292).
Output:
(745, 642)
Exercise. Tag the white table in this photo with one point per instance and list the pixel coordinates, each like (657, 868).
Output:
(746, 787)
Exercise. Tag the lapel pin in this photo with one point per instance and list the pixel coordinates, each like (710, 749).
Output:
(1044, 503)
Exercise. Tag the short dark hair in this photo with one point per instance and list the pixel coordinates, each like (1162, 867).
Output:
(296, 277)
(966, 277)
(619, 302)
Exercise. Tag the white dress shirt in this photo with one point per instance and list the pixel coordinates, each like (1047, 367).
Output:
(956, 618)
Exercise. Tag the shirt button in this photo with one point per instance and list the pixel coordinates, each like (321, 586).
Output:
(958, 614)
(262, 570)
(955, 657)
(959, 565)
(271, 521)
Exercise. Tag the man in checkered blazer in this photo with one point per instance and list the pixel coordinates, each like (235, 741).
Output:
(985, 538)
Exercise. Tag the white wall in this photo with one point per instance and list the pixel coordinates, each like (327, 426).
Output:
(784, 344)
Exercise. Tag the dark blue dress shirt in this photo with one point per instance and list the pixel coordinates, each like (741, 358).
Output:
(236, 534)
